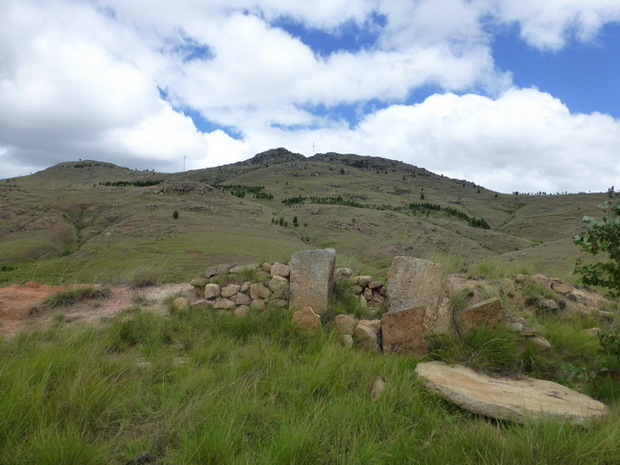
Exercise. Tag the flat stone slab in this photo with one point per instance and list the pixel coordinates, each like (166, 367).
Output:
(508, 399)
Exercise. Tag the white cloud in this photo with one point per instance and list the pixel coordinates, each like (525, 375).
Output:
(550, 24)
(81, 79)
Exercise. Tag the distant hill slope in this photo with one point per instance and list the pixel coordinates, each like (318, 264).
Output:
(91, 220)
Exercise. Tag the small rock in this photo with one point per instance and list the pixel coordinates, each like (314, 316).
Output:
(278, 283)
(258, 304)
(199, 282)
(180, 303)
(201, 304)
(374, 324)
(375, 285)
(280, 269)
(225, 304)
(344, 324)
(216, 270)
(347, 341)
(242, 311)
(376, 388)
(367, 338)
(230, 290)
(259, 291)
(244, 268)
(242, 299)
(306, 320)
(212, 291)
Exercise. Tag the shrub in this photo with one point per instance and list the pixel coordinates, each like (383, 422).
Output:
(602, 237)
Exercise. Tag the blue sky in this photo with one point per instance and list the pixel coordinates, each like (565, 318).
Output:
(515, 95)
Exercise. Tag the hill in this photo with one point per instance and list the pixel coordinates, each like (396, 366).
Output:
(95, 221)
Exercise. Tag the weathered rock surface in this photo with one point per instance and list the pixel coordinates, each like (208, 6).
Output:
(259, 291)
(215, 270)
(307, 320)
(230, 290)
(485, 313)
(312, 279)
(212, 291)
(280, 269)
(403, 331)
(413, 282)
(367, 338)
(508, 399)
(345, 324)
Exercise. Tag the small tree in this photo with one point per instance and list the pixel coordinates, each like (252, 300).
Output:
(602, 237)
(175, 214)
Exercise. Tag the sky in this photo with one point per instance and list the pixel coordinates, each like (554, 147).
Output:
(514, 95)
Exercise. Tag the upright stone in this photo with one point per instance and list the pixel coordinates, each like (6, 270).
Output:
(312, 279)
(403, 331)
(413, 282)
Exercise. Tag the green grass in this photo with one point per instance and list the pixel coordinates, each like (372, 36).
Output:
(194, 387)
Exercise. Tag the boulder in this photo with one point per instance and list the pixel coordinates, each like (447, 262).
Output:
(345, 324)
(488, 312)
(509, 399)
(413, 282)
(403, 331)
(212, 291)
(306, 320)
(312, 279)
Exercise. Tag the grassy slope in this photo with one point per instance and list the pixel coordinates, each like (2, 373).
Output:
(62, 225)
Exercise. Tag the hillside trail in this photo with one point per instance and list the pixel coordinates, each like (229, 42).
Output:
(21, 306)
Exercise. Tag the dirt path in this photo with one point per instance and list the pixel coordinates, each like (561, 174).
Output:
(21, 309)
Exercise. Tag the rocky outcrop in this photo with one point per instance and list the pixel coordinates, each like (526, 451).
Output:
(508, 399)
(413, 282)
(312, 279)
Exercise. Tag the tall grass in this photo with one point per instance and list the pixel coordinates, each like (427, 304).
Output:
(198, 388)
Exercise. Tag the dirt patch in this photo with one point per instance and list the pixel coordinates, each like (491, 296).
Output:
(21, 306)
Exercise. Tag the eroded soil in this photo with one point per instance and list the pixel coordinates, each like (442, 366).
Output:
(21, 306)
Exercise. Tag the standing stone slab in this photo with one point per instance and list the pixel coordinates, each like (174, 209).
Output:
(403, 331)
(509, 399)
(413, 282)
(312, 279)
